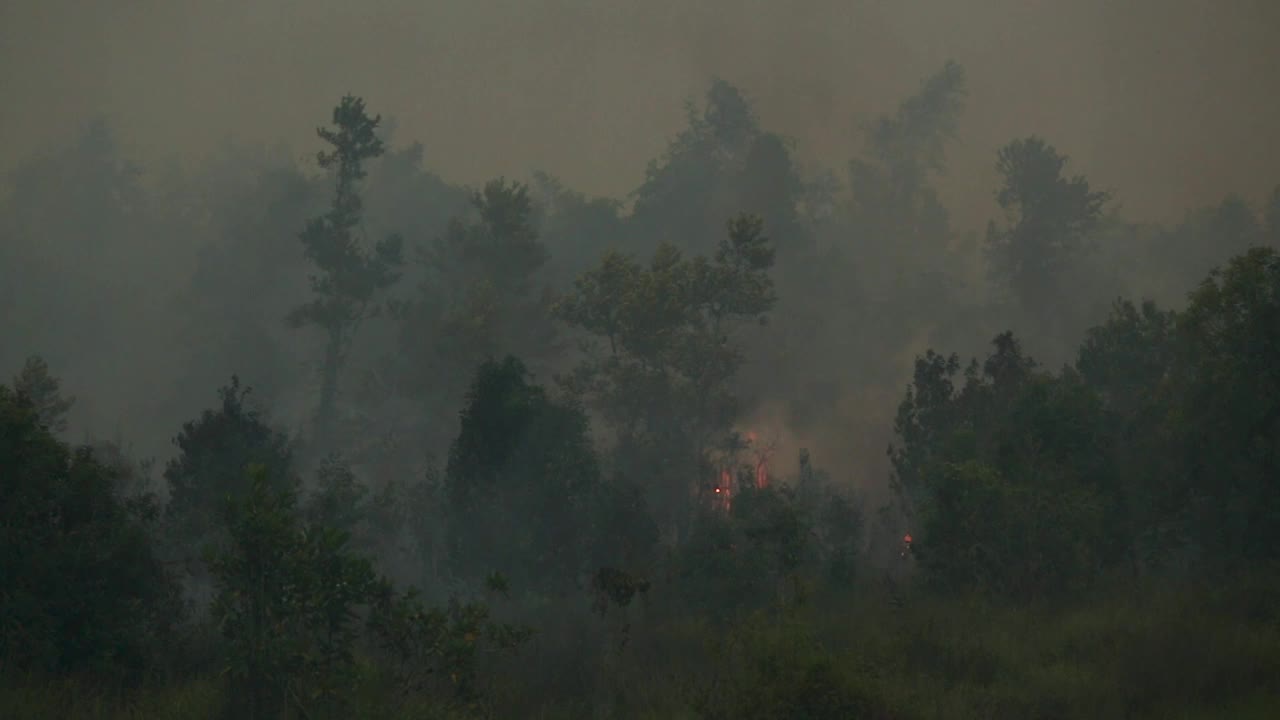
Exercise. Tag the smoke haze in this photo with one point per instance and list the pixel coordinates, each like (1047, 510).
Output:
(1169, 106)
(610, 359)
(590, 91)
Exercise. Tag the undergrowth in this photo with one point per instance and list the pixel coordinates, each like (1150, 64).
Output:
(1192, 654)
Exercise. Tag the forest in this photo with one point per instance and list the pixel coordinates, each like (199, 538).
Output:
(758, 440)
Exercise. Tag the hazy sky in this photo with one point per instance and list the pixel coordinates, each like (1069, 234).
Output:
(1166, 102)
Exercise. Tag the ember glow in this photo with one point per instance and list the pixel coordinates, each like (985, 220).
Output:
(736, 473)
(762, 454)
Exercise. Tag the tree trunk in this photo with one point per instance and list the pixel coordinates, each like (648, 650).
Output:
(328, 390)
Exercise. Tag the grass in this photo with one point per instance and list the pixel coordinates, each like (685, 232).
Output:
(1189, 654)
(64, 699)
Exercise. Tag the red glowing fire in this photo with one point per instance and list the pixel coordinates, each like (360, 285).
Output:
(762, 453)
(756, 471)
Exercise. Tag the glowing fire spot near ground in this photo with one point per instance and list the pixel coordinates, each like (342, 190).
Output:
(738, 473)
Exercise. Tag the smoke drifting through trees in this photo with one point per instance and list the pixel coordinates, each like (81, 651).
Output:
(516, 395)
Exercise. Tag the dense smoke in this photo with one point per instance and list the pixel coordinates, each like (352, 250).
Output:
(589, 94)
(710, 303)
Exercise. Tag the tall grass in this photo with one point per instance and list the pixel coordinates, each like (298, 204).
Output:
(1184, 653)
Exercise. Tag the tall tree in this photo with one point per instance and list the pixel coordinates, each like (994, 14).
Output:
(481, 298)
(900, 234)
(1129, 361)
(350, 275)
(214, 453)
(1050, 217)
(894, 205)
(688, 192)
(667, 352)
(44, 392)
(1227, 411)
(520, 483)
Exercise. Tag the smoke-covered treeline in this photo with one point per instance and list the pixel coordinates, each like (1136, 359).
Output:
(350, 439)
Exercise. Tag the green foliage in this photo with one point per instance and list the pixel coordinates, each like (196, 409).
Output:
(133, 476)
(1226, 415)
(575, 228)
(981, 531)
(1128, 361)
(286, 602)
(439, 648)
(837, 521)
(258, 592)
(900, 266)
(81, 587)
(214, 453)
(520, 482)
(1009, 477)
(616, 587)
(1095, 541)
(1127, 357)
(375, 521)
(350, 275)
(748, 558)
(894, 204)
(480, 297)
(687, 192)
(623, 531)
(339, 500)
(1160, 447)
(773, 546)
(778, 670)
(663, 382)
(1050, 218)
(44, 392)
(336, 583)
(724, 164)
(1176, 652)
